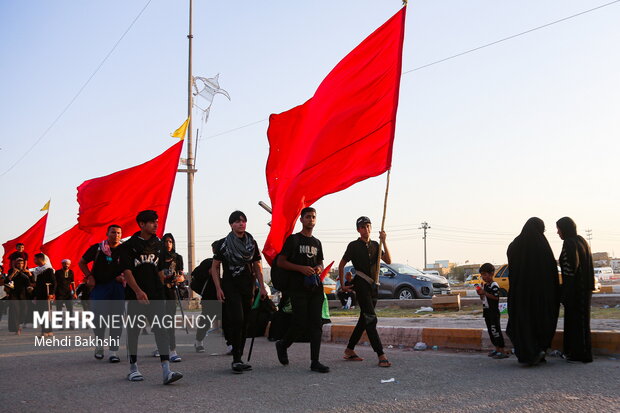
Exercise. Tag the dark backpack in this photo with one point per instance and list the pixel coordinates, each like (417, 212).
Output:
(280, 278)
(200, 276)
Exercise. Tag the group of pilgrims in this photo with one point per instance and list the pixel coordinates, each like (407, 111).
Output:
(142, 275)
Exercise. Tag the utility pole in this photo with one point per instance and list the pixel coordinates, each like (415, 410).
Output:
(425, 227)
(589, 237)
(190, 154)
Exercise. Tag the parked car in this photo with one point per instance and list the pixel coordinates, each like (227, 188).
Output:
(604, 273)
(329, 287)
(404, 282)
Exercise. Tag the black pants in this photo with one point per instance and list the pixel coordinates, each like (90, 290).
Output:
(171, 310)
(201, 331)
(17, 313)
(41, 307)
(237, 306)
(344, 295)
(366, 295)
(68, 303)
(577, 334)
(307, 316)
(155, 308)
(492, 319)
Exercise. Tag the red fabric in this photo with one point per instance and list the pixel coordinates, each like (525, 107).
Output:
(71, 244)
(326, 271)
(32, 240)
(117, 198)
(342, 135)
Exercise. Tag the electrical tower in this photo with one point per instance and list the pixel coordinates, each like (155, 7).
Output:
(425, 227)
(589, 237)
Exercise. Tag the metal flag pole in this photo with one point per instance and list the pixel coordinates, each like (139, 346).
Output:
(190, 154)
(387, 190)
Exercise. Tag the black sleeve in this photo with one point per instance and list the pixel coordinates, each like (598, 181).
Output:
(569, 262)
(179, 263)
(320, 253)
(256, 256)
(219, 256)
(288, 249)
(348, 254)
(90, 253)
(126, 261)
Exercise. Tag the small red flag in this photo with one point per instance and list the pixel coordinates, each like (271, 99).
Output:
(342, 135)
(32, 240)
(326, 271)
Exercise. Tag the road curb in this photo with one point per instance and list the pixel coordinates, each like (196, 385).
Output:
(605, 343)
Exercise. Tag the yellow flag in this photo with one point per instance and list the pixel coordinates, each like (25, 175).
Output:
(46, 207)
(181, 131)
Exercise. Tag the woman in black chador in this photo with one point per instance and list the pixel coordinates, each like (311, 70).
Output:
(533, 297)
(577, 286)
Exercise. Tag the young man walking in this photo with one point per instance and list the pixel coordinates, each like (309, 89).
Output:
(140, 260)
(44, 289)
(106, 281)
(239, 255)
(364, 254)
(302, 257)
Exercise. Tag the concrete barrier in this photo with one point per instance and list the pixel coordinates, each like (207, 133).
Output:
(606, 343)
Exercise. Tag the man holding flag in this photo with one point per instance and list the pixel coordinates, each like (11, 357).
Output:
(302, 257)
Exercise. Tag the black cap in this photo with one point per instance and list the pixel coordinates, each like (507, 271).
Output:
(362, 221)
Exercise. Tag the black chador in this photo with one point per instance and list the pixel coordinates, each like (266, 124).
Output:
(533, 298)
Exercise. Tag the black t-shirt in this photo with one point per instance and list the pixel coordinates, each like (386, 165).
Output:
(490, 304)
(63, 284)
(16, 254)
(244, 280)
(41, 287)
(363, 256)
(105, 269)
(142, 258)
(301, 250)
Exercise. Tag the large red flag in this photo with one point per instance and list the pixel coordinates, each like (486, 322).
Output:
(71, 244)
(117, 198)
(32, 240)
(342, 135)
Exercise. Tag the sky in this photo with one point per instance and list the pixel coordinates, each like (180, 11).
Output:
(526, 127)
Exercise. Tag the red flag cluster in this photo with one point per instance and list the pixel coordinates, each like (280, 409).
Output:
(342, 135)
(111, 199)
(33, 238)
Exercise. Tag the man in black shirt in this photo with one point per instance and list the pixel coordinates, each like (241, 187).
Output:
(45, 286)
(65, 287)
(239, 255)
(364, 254)
(107, 283)
(140, 259)
(302, 257)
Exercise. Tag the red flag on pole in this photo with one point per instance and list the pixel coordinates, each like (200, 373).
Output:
(117, 198)
(32, 240)
(342, 135)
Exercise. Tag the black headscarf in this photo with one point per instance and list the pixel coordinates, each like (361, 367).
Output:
(576, 253)
(533, 297)
(171, 256)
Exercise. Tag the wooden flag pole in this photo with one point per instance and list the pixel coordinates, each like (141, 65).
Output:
(387, 190)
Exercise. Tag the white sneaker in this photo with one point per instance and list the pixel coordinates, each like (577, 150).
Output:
(229, 350)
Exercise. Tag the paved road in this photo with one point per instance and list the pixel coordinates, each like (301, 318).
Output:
(465, 321)
(72, 380)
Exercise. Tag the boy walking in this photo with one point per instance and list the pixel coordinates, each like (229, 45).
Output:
(489, 294)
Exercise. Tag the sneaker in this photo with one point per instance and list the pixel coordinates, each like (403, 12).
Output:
(114, 359)
(99, 353)
(176, 358)
(156, 353)
(500, 356)
(229, 350)
(199, 349)
(318, 367)
(492, 353)
(282, 354)
(237, 367)
(172, 377)
(246, 367)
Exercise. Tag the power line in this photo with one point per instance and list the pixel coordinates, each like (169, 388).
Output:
(455, 55)
(79, 92)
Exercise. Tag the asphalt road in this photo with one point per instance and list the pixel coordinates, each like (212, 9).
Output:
(70, 379)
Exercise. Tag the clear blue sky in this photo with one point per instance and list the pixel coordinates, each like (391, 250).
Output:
(528, 127)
